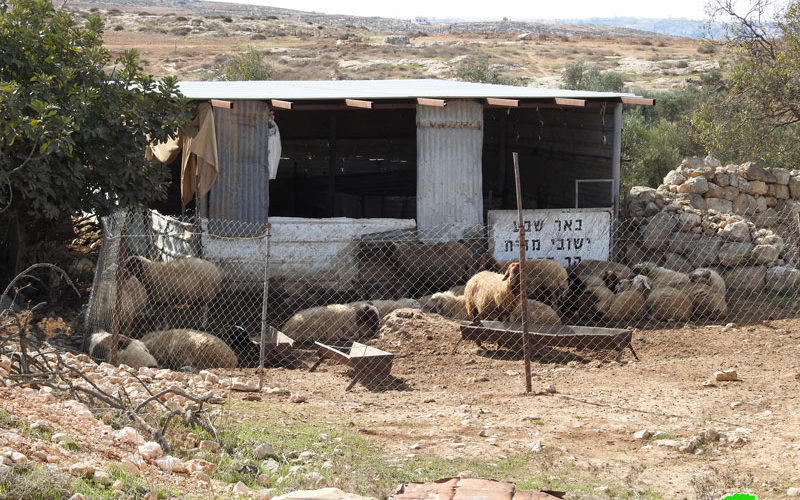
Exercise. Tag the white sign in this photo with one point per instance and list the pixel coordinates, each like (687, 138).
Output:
(566, 235)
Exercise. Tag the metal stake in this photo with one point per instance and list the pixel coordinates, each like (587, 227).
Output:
(264, 325)
(120, 278)
(526, 348)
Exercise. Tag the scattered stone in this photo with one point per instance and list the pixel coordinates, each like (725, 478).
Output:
(643, 434)
(150, 450)
(102, 477)
(298, 398)
(244, 385)
(208, 377)
(59, 437)
(239, 489)
(263, 450)
(669, 443)
(793, 492)
(733, 254)
(263, 480)
(128, 435)
(201, 476)
(550, 389)
(535, 446)
(198, 464)
(77, 496)
(263, 494)
(82, 469)
(725, 375)
(169, 463)
(415, 446)
(270, 466)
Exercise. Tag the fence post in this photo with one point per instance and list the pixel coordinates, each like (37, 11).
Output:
(265, 329)
(120, 279)
(526, 349)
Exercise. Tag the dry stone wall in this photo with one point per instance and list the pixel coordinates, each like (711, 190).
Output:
(740, 219)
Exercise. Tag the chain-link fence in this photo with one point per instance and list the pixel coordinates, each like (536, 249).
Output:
(381, 297)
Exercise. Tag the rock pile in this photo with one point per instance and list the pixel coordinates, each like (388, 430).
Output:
(731, 218)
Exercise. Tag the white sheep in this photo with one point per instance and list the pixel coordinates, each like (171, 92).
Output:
(130, 351)
(179, 348)
(669, 304)
(537, 313)
(661, 277)
(333, 322)
(706, 276)
(387, 306)
(493, 296)
(447, 304)
(132, 298)
(629, 299)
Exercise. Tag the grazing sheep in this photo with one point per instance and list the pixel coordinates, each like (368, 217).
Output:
(387, 306)
(629, 300)
(661, 277)
(447, 304)
(538, 313)
(669, 304)
(130, 352)
(705, 276)
(179, 348)
(491, 295)
(545, 279)
(334, 322)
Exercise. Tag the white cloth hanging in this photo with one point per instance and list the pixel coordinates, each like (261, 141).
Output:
(273, 148)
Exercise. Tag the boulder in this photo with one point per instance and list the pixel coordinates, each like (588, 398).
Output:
(150, 450)
(687, 220)
(782, 176)
(704, 252)
(783, 279)
(697, 185)
(745, 205)
(764, 254)
(322, 494)
(781, 191)
(745, 279)
(730, 193)
(761, 203)
(722, 179)
(759, 187)
(744, 186)
(794, 188)
(738, 231)
(656, 234)
(677, 263)
(753, 172)
(674, 178)
(720, 205)
(733, 254)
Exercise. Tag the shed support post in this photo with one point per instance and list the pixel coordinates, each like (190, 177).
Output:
(616, 157)
(332, 165)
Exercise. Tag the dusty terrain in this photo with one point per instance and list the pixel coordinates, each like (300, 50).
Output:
(193, 42)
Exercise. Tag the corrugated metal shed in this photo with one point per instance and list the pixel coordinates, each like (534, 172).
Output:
(449, 175)
(375, 89)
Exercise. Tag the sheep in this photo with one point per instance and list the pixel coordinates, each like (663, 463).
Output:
(447, 304)
(545, 279)
(591, 267)
(179, 348)
(132, 298)
(705, 276)
(629, 299)
(179, 281)
(669, 304)
(661, 277)
(588, 296)
(130, 351)
(247, 352)
(387, 306)
(353, 321)
(707, 301)
(491, 295)
(538, 313)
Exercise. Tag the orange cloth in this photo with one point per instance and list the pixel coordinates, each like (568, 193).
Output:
(199, 166)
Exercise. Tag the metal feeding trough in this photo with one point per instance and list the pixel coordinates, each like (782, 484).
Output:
(366, 361)
(579, 337)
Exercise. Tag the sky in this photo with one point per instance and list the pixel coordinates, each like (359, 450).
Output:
(512, 9)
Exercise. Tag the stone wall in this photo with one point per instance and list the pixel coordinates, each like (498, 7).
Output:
(739, 219)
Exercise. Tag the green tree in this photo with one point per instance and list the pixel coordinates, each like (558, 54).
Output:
(249, 65)
(755, 115)
(72, 137)
(477, 69)
(580, 76)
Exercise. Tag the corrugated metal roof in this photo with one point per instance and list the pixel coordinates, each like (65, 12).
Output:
(375, 89)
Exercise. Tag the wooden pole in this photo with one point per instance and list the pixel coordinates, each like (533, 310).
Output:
(265, 329)
(526, 348)
(120, 277)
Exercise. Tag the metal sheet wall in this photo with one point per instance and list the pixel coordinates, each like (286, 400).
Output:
(449, 179)
(242, 191)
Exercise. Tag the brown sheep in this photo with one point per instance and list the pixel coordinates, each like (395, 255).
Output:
(545, 279)
(493, 296)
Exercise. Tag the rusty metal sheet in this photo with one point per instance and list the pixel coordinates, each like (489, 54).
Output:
(469, 489)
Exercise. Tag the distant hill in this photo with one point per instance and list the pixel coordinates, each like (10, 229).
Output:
(690, 28)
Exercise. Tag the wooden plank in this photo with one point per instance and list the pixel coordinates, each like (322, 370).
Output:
(505, 103)
(641, 101)
(424, 101)
(216, 103)
(563, 101)
(279, 104)
(358, 103)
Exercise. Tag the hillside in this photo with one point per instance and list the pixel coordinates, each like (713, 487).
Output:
(191, 39)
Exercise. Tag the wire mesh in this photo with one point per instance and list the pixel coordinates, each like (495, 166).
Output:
(381, 301)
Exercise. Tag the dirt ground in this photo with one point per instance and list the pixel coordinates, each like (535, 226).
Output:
(472, 403)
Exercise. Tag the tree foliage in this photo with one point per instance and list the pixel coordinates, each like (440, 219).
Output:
(72, 137)
(580, 76)
(249, 65)
(477, 69)
(755, 115)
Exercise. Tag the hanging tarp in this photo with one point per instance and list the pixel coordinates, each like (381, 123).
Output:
(199, 166)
